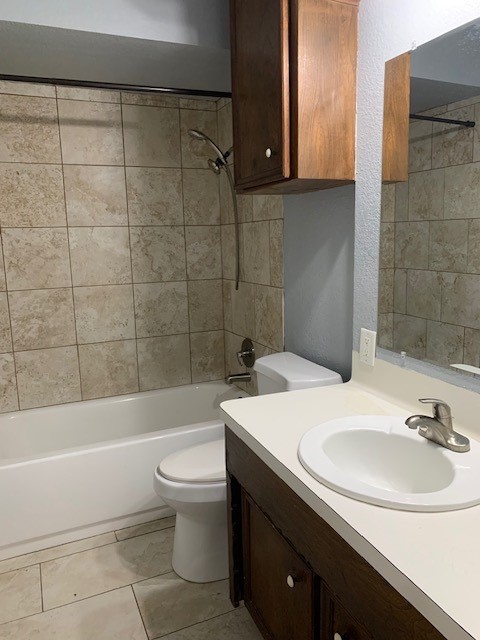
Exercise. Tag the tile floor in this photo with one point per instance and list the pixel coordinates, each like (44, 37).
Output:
(114, 586)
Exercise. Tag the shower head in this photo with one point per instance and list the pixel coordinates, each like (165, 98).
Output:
(199, 135)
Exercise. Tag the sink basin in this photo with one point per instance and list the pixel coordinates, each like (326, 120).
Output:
(377, 459)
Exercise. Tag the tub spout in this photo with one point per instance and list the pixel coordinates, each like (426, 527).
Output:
(238, 377)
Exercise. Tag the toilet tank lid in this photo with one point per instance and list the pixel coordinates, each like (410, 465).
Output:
(295, 372)
(198, 464)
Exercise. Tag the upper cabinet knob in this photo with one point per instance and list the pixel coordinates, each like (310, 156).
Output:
(268, 152)
(291, 581)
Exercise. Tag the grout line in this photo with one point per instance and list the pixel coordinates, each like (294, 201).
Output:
(41, 585)
(139, 611)
(196, 624)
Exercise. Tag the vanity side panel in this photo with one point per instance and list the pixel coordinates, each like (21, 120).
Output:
(369, 598)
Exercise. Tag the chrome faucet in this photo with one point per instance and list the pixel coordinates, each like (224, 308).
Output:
(439, 428)
(238, 377)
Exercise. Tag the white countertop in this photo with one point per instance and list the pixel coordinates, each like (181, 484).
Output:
(432, 559)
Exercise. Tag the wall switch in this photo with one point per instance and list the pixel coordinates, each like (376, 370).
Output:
(368, 343)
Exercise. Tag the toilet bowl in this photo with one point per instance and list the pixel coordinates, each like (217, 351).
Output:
(193, 481)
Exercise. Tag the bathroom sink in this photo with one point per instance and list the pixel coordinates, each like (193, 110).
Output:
(377, 459)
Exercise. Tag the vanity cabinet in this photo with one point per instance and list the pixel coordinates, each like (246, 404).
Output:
(293, 93)
(298, 577)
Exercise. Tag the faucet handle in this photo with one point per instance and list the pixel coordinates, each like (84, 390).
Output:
(441, 410)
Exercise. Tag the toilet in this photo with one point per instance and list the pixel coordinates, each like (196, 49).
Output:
(193, 481)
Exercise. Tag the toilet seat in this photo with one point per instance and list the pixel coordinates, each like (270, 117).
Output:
(200, 464)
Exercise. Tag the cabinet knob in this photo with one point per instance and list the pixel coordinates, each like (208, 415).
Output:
(291, 581)
(268, 152)
(338, 636)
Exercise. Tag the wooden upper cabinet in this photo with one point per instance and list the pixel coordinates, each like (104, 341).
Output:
(294, 94)
(396, 112)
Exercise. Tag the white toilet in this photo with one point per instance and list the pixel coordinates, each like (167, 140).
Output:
(193, 481)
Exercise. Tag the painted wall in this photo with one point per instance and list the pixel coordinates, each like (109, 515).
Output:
(319, 229)
(386, 29)
(194, 22)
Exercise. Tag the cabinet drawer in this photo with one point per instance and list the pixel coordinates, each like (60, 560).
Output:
(279, 586)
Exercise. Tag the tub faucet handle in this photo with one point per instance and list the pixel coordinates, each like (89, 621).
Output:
(246, 357)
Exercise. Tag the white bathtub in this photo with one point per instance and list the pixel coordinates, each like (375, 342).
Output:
(80, 469)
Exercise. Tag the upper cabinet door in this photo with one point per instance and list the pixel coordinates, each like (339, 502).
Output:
(260, 90)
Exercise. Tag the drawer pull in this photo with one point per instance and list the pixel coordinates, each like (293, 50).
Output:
(268, 152)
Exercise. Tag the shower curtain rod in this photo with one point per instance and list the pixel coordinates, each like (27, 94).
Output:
(462, 123)
(91, 84)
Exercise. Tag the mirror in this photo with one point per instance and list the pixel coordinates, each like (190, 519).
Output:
(429, 281)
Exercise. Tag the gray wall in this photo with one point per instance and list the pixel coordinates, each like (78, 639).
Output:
(319, 231)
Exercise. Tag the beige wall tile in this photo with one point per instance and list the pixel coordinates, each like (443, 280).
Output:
(198, 103)
(109, 616)
(104, 313)
(195, 153)
(388, 203)
(385, 291)
(8, 384)
(420, 148)
(424, 294)
(410, 335)
(425, 195)
(400, 291)
(387, 247)
(168, 603)
(444, 343)
(3, 284)
(256, 252)
(458, 291)
(228, 289)
(95, 196)
(36, 258)
(204, 254)
(97, 570)
(158, 254)
(267, 207)
(473, 264)
(20, 593)
(448, 245)
(108, 369)
(225, 129)
(243, 310)
(161, 308)
(276, 253)
(164, 362)
(151, 136)
(42, 318)
(385, 330)
(31, 195)
(476, 135)
(29, 130)
(90, 95)
(269, 317)
(233, 343)
(226, 201)
(471, 353)
(150, 100)
(154, 196)
(100, 255)
(411, 245)
(201, 197)
(27, 89)
(401, 201)
(462, 189)
(91, 132)
(5, 333)
(205, 304)
(208, 356)
(453, 145)
(228, 251)
(47, 376)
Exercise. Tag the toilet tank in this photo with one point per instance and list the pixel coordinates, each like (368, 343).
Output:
(288, 372)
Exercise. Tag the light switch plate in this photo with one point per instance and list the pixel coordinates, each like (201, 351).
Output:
(368, 343)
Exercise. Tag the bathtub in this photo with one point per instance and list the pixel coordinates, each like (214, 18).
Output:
(80, 469)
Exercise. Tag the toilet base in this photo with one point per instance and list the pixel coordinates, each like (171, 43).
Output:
(200, 548)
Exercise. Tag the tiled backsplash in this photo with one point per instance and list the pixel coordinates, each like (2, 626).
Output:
(112, 228)
(430, 244)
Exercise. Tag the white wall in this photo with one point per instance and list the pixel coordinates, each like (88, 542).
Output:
(197, 22)
(387, 28)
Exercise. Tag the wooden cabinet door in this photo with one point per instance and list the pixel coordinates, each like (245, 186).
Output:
(336, 623)
(260, 91)
(279, 586)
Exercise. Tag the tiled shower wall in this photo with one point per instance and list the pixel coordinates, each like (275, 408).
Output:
(430, 255)
(256, 309)
(112, 278)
